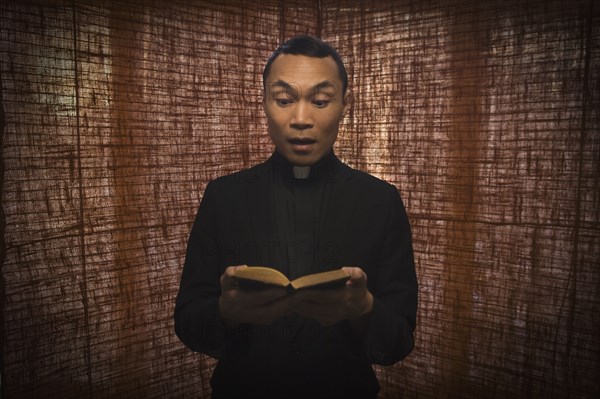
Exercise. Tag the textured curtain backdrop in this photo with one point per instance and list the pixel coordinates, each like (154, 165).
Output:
(486, 116)
(115, 115)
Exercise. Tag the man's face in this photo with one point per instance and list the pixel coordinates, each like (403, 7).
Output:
(304, 105)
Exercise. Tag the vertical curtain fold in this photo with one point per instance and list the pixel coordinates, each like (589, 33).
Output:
(467, 125)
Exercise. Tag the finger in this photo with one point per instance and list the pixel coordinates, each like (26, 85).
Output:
(334, 295)
(250, 307)
(266, 314)
(262, 297)
(226, 280)
(358, 278)
(249, 299)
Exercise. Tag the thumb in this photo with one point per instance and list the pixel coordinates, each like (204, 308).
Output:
(227, 280)
(358, 278)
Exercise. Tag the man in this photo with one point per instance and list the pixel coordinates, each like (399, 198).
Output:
(302, 211)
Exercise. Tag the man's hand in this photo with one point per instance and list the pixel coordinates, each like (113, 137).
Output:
(256, 307)
(353, 302)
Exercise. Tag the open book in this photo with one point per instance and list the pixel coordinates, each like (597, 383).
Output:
(259, 277)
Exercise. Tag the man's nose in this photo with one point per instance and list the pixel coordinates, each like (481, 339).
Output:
(302, 118)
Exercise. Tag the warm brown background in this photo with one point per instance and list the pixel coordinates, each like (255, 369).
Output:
(485, 114)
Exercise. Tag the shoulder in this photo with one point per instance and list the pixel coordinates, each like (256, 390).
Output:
(234, 189)
(240, 178)
(366, 182)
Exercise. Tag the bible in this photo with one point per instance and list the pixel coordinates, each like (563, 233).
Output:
(259, 277)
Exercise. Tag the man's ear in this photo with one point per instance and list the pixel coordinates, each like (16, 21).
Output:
(264, 101)
(347, 101)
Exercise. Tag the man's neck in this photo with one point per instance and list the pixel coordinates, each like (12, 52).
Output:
(301, 172)
(305, 172)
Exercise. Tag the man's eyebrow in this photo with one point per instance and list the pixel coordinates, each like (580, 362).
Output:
(326, 84)
(282, 84)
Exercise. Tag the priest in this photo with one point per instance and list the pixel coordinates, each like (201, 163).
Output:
(302, 211)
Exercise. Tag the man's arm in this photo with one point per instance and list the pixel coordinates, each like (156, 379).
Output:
(211, 312)
(382, 319)
(389, 337)
(198, 323)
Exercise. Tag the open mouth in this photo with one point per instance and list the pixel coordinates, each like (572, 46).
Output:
(301, 141)
(301, 144)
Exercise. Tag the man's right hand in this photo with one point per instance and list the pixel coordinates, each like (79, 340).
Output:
(255, 307)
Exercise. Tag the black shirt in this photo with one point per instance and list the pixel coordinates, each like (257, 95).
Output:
(300, 207)
(337, 217)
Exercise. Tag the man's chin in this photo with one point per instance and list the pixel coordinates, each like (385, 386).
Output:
(300, 158)
(303, 160)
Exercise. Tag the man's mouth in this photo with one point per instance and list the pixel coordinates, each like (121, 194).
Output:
(302, 140)
(301, 143)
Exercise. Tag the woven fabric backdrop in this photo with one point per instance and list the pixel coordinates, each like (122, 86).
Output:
(115, 115)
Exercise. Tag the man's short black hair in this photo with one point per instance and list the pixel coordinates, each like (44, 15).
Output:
(311, 47)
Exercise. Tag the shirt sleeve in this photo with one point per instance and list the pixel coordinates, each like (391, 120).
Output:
(198, 323)
(389, 336)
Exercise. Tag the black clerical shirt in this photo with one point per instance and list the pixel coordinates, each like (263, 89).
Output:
(301, 200)
(336, 217)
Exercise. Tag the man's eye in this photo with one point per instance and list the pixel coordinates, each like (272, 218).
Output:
(321, 103)
(283, 101)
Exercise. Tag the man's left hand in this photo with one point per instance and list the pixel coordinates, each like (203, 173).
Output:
(329, 306)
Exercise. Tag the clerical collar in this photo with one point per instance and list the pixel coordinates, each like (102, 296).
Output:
(301, 172)
(309, 172)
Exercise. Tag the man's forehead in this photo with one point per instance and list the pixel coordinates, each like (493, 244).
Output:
(310, 70)
(322, 85)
